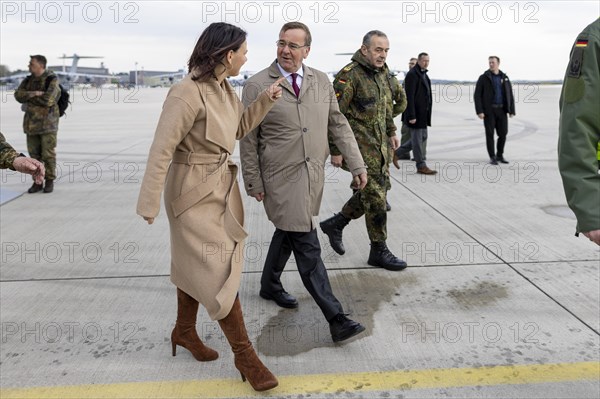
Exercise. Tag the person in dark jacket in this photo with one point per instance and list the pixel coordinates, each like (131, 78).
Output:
(493, 101)
(404, 130)
(417, 114)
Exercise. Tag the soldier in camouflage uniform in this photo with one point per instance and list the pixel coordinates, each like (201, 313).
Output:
(10, 159)
(39, 93)
(364, 92)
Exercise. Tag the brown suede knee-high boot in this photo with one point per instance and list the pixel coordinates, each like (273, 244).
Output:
(184, 334)
(246, 360)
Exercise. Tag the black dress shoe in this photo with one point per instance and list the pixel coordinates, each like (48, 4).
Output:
(501, 160)
(493, 161)
(281, 298)
(342, 328)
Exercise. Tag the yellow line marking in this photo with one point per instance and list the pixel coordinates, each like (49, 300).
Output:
(325, 383)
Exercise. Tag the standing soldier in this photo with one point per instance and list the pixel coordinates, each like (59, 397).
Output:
(39, 93)
(364, 95)
(579, 132)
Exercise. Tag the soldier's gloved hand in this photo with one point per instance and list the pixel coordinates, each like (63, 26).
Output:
(593, 235)
(30, 166)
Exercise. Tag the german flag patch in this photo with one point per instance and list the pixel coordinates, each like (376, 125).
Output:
(342, 81)
(576, 61)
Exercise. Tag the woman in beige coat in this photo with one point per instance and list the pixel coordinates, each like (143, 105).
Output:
(202, 117)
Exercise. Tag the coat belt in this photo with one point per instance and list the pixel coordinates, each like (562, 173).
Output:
(208, 183)
(195, 158)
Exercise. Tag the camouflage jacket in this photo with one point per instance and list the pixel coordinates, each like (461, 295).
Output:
(7, 154)
(41, 112)
(398, 96)
(365, 98)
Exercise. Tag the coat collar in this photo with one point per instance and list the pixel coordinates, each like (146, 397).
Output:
(360, 59)
(220, 73)
(307, 78)
(489, 74)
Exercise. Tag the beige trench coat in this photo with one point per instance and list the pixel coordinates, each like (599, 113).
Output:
(284, 157)
(195, 136)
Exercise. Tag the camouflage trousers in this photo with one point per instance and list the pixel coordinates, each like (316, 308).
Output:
(43, 148)
(370, 202)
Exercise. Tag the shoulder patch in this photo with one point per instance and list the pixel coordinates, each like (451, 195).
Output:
(576, 61)
(349, 67)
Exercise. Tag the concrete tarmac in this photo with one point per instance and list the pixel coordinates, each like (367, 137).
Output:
(500, 298)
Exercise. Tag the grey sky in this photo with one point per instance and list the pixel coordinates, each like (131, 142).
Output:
(532, 38)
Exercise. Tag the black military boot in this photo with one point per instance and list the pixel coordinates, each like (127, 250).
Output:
(381, 256)
(49, 186)
(333, 228)
(35, 188)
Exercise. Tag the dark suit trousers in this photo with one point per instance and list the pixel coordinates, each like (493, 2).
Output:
(307, 251)
(498, 120)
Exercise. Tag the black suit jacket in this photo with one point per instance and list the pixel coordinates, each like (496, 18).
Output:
(419, 100)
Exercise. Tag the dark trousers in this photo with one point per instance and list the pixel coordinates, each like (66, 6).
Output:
(307, 251)
(418, 141)
(406, 137)
(497, 120)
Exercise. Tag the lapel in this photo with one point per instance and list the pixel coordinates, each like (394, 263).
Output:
(275, 74)
(222, 113)
(307, 79)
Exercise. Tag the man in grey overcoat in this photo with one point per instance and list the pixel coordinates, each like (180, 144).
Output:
(283, 165)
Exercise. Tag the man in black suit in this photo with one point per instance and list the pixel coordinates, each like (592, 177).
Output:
(417, 115)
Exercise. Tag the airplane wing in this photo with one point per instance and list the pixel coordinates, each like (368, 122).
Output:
(17, 78)
(84, 75)
(179, 74)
